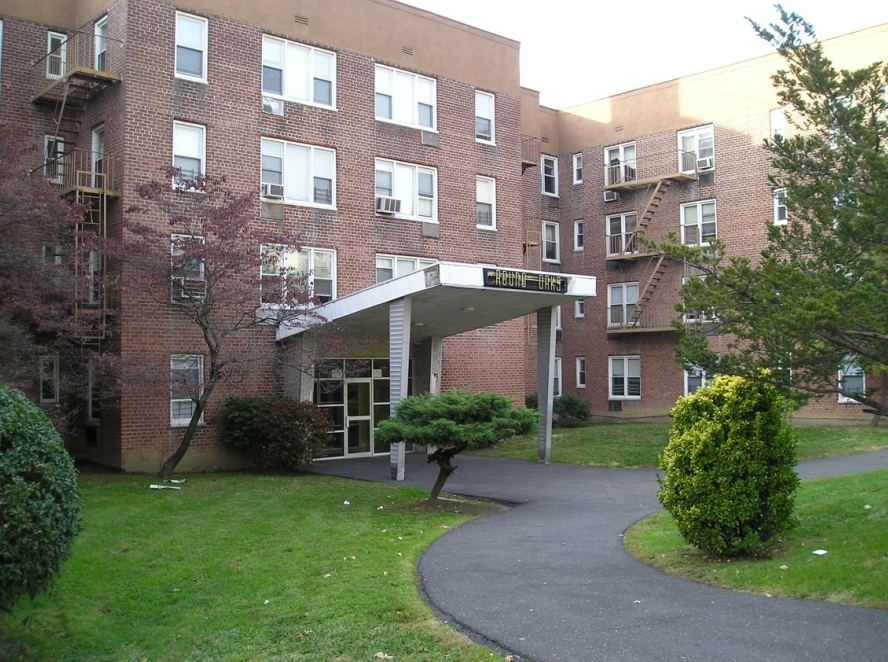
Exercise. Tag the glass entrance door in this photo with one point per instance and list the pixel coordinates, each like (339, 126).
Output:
(358, 423)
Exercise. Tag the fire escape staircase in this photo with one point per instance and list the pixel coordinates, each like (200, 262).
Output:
(653, 280)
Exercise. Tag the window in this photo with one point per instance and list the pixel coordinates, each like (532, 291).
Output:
(415, 186)
(298, 73)
(780, 217)
(101, 44)
(625, 377)
(851, 380)
(579, 309)
(189, 148)
(622, 300)
(56, 48)
(187, 268)
(556, 378)
(619, 164)
(49, 379)
(405, 98)
(95, 278)
(484, 117)
(581, 372)
(698, 223)
(485, 197)
(94, 395)
(392, 266)
(696, 151)
(695, 378)
(98, 157)
(697, 316)
(1, 47)
(778, 123)
(311, 267)
(578, 235)
(550, 242)
(578, 168)
(307, 173)
(186, 385)
(191, 47)
(550, 175)
(53, 151)
(621, 234)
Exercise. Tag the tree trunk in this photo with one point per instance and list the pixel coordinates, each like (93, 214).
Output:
(442, 457)
(172, 462)
(878, 415)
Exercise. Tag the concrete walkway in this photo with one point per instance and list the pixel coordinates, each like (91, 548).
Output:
(549, 581)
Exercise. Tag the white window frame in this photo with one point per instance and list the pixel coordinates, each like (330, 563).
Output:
(581, 372)
(53, 150)
(387, 165)
(556, 378)
(625, 169)
(482, 114)
(96, 272)
(578, 168)
(100, 53)
(488, 183)
(555, 242)
(705, 380)
(580, 309)
(290, 170)
(780, 212)
(182, 16)
(625, 362)
(60, 60)
(402, 88)
(696, 317)
(189, 275)
(93, 395)
(549, 163)
(288, 255)
(851, 369)
(49, 376)
(301, 67)
(183, 362)
(778, 123)
(625, 235)
(579, 238)
(625, 306)
(181, 129)
(698, 226)
(400, 265)
(697, 135)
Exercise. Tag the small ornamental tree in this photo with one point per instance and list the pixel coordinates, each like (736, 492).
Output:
(39, 506)
(453, 422)
(729, 482)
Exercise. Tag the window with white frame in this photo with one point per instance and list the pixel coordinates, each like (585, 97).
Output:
(57, 54)
(780, 217)
(405, 98)
(416, 187)
(94, 395)
(298, 73)
(695, 378)
(579, 309)
(578, 168)
(778, 123)
(49, 379)
(95, 278)
(696, 149)
(581, 372)
(485, 203)
(101, 44)
(698, 226)
(283, 267)
(392, 266)
(186, 385)
(484, 116)
(851, 380)
(189, 149)
(619, 164)
(622, 299)
(191, 47)
(54, 165)
(306, 172)
(556, 378)
(549, 169)
(625, 377)
(551, 249)
(696, 316)
(578, 235)
(621, 236)
(187, 267)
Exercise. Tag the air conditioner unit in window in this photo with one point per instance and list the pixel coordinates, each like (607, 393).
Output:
(611, 196)
(275, 191)
(188, 289)
(385, 205)
(705, 164)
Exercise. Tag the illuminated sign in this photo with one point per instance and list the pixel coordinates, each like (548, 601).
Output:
(513, 279)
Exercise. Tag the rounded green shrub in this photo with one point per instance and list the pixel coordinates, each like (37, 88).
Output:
(729, 479)
(570, 411)
(39, 505)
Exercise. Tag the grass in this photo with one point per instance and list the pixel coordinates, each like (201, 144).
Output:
(236, 567)
(638, 445)
(847, 516)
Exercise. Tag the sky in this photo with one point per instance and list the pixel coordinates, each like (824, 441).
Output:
(574, 51)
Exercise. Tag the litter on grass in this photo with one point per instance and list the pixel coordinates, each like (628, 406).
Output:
(163, 487)
(819, 552)
(175, 481)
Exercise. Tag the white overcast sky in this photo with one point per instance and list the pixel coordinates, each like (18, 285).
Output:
(574, 51)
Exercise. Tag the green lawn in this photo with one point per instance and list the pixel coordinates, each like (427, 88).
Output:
(846, 516)
(638, 445)
(236, 567)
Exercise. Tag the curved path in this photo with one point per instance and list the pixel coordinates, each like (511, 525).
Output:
(549, 580)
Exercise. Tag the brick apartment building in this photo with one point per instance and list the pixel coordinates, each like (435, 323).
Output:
(413, 168)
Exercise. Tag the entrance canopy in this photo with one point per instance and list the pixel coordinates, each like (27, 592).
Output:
(449, 298)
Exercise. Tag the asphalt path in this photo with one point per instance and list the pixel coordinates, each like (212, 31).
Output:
(548, 580)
